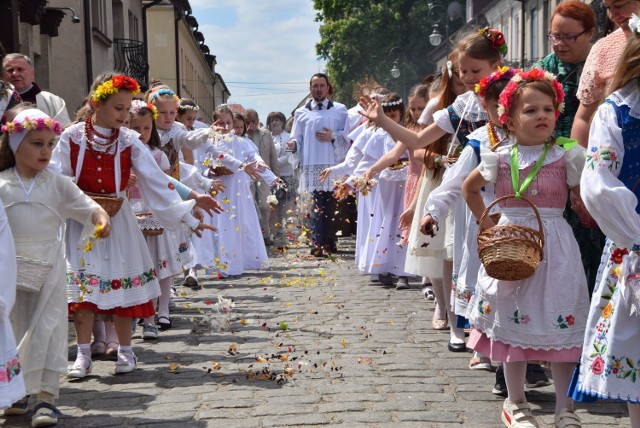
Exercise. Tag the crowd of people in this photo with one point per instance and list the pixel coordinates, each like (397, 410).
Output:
(101, 214)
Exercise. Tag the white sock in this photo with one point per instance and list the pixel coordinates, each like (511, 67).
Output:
(125, 349)
(84, 349)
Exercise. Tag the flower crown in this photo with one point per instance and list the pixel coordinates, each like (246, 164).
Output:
(391, 103)
(522, 78)
(164, 92)
(137, 105)
(30, 124)
(188, 107)
(634, 24)
(496, 38)
(113, 85)
(503, 73)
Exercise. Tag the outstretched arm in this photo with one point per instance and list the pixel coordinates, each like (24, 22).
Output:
(373, 111)
(386, 160)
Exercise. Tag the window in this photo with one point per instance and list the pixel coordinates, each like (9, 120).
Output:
(515, 30)
(99, 16)
(534, 35)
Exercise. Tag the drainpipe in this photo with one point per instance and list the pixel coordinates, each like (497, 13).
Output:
(145, 38)
(87, 43)
(176, 29)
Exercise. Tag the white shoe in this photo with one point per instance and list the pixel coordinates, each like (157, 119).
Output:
(126, 362)
(518, 415)
(80, 368)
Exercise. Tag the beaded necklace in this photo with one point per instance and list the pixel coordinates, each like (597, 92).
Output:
(90, 132)
(493, 135)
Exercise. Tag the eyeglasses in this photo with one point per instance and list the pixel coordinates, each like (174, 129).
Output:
(555, 38)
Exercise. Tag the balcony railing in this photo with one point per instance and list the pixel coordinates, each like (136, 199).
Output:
(130, 59)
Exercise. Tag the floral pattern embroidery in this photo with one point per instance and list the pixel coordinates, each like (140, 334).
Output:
(484, 308)
(564, 322)
(520, 319)
(9, 370)
(601, 157)
(183, 247)
(90, 283)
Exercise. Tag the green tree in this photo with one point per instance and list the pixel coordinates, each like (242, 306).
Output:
(356, 37)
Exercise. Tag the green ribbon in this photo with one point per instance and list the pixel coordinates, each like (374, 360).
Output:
(566, 143)
(515, 172)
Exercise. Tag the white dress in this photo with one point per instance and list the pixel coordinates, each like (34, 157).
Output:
(11, 378)
(611, 351)
(547, 311)
(165, 249)
(118, 272)
(240, 245)
(425, 254)
(447, 196)
(40, 319)
(380, 253)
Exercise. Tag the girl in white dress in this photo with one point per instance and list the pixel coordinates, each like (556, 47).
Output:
(611, 349)
(480, 53)
(36, 202)
(542, 317)
(114, 275)
(239, 243)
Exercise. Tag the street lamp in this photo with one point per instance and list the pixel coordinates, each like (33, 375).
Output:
(435, 38)
(395, 71)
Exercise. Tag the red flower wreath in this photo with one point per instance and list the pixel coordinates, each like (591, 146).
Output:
(535, 74)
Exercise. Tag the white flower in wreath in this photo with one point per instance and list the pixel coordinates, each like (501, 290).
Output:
(634, 24)
(501, 110)
(517, 78)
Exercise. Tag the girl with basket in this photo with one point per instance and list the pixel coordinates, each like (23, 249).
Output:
(116, 275)
(36, 202)
(541, 313)
(611, 355)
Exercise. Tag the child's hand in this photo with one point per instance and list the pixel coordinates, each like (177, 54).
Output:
(372, 108)
(216, 186)
(406, 218)
(324, 174)
(203, 226)
(133, 180)
(207, 203)
(487, 223)
(324, 135)
(428, 226)
(251, 169)
(262, 167)
(198, 213)
(342, 191)
(102, 222)
(291, 146)
(219, 127)
(368, 174)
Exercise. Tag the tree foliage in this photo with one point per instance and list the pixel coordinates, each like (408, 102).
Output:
(357, 37)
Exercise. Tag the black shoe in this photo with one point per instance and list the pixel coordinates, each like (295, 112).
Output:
(403, 283)
(317, 252)
(457, 347)
(385, 279)
(500, 388)
(536, 377)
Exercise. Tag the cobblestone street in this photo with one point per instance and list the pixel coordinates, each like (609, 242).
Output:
(309, 342)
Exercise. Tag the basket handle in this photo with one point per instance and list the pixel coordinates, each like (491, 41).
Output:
(513, 196)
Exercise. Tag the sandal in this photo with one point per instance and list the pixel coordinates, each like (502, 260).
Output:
(46, 415)
(480, 363)
(440, 324)
(567, 419)
(112, 349)
(166, 325)
(98, 347)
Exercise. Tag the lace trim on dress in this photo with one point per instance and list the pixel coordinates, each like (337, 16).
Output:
(528, 155)
(176, 129)
(10, 177)
(310, 179)
(469, 104)
(481, 135)
(629, 96)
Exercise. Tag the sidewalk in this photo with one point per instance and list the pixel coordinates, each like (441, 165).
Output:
(308, 343)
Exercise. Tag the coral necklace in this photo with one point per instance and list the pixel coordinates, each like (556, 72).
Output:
(90, 132)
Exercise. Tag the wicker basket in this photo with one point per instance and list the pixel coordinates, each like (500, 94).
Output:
(510, 252)
(220, 170)
(110, 204)
(32, 273)
(149, 225)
